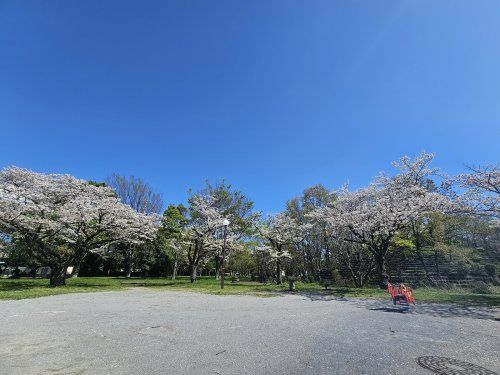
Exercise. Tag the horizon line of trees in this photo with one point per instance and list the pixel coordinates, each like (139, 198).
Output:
(119, 226)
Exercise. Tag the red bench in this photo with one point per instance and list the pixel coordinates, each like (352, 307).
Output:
(400, 293)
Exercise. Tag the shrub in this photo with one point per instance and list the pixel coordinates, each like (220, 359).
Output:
(460, 273)
(490, 270)
(480, 287)
(337, 278)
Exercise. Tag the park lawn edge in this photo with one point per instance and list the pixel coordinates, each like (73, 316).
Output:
(31, 289)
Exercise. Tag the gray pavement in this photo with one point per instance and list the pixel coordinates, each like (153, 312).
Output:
(141, 331)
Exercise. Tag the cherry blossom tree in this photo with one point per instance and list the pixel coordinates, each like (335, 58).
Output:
(204, 232)
(208, 210)
(314, 252)
(178, 248)
(280, 231)
(372, 216)
(481, 189)
(63, 218)
(233, 205)
(204, 220)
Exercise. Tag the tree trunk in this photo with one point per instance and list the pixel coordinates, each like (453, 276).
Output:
(279, 278)
(310, 263)
(420, 257)
(76, 270)
(174, 271)
(354, 275)
(58, 276)
(304, 263)
(381, 270)
(192, 269)
(436, 263)
(128, 263)
(128, 270)
(419, 241)
(328, 261)
(218, 264)
(261, 270)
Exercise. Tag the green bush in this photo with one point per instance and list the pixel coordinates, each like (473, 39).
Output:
(490, 270)
(480, 287)
(460, 274)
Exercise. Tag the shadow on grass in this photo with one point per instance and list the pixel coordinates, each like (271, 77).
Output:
(12, 285)
(476, 299)
(92, 286)
(151, 285)
(443, 303)
(9, 285)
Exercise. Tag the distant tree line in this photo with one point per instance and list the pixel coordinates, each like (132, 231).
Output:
(438, 227)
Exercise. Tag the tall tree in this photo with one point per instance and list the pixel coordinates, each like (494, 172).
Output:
(207, 210)
(174, 230)
(315, 249)
(63, 218)
(139, 195)
(136, 193)
(281, 232)
(204, 221)
(372, 216)
(481, 189)
(233, 205)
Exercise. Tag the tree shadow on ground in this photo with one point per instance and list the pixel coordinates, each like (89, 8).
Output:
(9, 285)
(148, 284)
(444, 310)
(12, 285)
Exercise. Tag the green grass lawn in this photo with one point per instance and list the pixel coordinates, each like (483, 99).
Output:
(32, 288)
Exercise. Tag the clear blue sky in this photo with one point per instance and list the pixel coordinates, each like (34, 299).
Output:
(273, 96)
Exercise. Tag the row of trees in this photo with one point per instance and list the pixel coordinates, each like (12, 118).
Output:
(59, 220)
(357, 229)
(407, 211)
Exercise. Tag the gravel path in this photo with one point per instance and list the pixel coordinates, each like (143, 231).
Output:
(141, 331)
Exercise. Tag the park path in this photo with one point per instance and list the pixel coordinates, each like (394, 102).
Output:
(163, 332)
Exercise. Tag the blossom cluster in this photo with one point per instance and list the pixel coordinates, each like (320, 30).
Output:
(65, 209)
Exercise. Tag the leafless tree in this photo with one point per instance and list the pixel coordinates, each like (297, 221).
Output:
(139, 195)
(136, 193)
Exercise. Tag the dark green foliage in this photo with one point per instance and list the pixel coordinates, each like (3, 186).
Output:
(174, 219)
(490, 270)
(98, 184)
(480, 287)
(233, 204)
(92, 265)
(242, 262)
